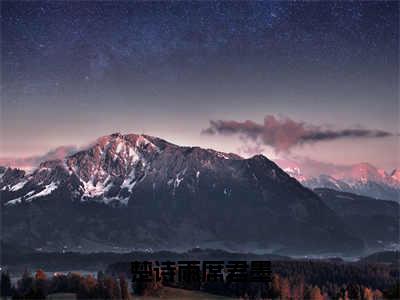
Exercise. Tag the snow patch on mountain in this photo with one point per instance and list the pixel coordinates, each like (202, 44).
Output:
(91, 189)
(129, 183)
(46, 191)
(18, 186)
(178, 179)
(14, 201)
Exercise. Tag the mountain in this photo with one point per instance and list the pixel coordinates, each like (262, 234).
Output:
(385, 257)
(137, 191)
(362, 179)
(375, 221)
(395, 175)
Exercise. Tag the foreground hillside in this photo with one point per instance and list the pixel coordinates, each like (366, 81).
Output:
(375, 221)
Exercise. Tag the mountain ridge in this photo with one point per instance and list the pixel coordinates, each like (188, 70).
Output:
(142, 191)
(362, 179)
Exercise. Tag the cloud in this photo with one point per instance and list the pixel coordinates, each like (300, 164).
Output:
(250, 149)
(310, 167)
(282, 134)
(31, 162)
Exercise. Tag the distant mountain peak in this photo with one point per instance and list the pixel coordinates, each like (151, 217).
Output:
(396, 174)
(363, 179)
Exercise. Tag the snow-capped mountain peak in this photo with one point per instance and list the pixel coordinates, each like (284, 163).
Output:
(159, 193)
(109, 169)
(362, 178)
(295, 172)
(396, 175)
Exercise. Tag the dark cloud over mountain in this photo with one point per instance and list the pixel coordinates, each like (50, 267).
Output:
(282, 134)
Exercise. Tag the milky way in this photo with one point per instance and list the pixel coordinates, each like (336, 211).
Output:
(160, 67)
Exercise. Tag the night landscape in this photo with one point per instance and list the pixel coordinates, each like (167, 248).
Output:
(238, 149)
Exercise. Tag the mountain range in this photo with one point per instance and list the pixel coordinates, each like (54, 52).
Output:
(128, 192)
(362, 179)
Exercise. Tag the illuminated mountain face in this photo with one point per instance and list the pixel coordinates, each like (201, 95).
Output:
(363, 179)
(137, 190)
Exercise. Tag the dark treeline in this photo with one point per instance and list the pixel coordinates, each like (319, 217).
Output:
(331, 276)
(302, 279)
(85, 287)
(19, 258)
(316, 280)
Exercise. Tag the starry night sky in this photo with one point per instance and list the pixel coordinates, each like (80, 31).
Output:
(73, 71)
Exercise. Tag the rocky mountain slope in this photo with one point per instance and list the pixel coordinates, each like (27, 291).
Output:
(137, 191)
